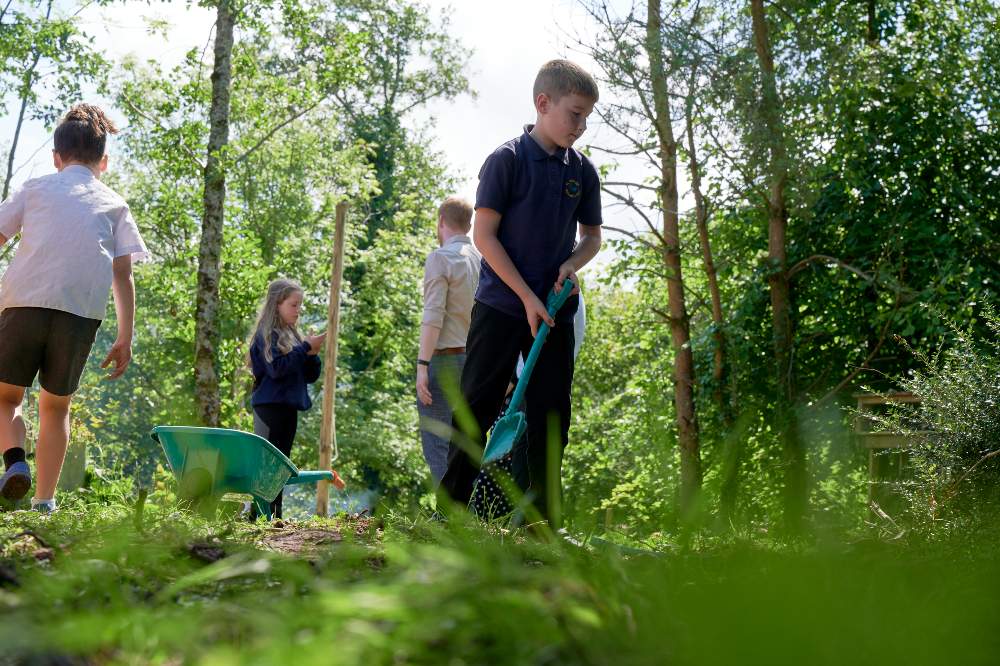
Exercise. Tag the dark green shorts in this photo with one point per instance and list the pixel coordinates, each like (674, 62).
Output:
(50, 343)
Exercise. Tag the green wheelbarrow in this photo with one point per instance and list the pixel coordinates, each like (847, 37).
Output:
(210, 462)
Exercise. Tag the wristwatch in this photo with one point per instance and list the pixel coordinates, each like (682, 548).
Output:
(421, 361)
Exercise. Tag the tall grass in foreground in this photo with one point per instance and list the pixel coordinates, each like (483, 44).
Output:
(94, 585)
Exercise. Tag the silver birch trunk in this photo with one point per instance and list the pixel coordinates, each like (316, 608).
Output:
(209, 254)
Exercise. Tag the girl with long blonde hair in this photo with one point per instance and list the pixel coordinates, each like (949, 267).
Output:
(284, 362)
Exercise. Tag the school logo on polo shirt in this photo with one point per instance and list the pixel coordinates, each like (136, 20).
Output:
(573, 188)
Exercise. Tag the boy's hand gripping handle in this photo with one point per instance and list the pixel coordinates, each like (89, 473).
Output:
(553, 304)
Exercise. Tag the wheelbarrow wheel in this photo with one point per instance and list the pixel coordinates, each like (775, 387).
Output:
(194, 493)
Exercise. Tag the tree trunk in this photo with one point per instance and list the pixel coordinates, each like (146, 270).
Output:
(872, 21)
(28, 82)
(207, 301)
(13, 145)
(8, 249)
(722, 393)
(687, 422)
(701, 220)
(770, 108)
(25, 92)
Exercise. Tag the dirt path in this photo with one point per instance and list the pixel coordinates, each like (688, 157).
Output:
(308, 540)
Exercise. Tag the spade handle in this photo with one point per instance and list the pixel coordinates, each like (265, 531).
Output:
(553, 304)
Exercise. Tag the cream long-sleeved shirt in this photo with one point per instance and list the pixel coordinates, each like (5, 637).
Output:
(451, 276)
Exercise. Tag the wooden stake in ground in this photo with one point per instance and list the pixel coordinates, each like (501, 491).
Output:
(328, 429)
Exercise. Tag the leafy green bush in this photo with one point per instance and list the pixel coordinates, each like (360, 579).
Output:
(621, 466)
(955, 430)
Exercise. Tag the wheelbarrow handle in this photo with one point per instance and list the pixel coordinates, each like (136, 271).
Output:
(316, 476)
(309, 477)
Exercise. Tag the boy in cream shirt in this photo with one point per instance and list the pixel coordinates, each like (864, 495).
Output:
(77, 243)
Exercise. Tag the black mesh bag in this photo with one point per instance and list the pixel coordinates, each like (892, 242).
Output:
(494, 488)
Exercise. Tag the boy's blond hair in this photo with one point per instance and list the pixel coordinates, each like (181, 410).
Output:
(457, 214)
(557, 78)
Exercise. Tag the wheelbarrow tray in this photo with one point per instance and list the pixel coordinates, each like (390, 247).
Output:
(213, 461)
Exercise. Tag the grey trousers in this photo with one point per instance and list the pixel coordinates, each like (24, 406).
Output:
(435, 418)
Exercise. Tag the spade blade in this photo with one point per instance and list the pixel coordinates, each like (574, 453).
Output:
(505, 434)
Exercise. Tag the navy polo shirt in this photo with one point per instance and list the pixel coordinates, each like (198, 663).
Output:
(540, 198)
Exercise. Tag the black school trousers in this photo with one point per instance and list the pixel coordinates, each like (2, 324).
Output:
(277, 424)
(495, 341)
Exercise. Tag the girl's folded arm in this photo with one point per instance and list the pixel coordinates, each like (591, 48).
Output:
(280, 364)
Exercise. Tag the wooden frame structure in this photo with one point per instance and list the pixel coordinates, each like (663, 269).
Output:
(876, 441)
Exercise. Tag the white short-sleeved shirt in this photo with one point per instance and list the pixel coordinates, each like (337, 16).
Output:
(72, 228)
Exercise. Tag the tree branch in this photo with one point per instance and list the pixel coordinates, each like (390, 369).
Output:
(426, 97)
(953, 489)
(622, 153)
(634, 236)
(187, 150)
(274, 130)
(829, 260)
(748, 181)
(630, 202)
(864, 364)
(5, 8)
(346, 106)
(639, 146)
(638, 186)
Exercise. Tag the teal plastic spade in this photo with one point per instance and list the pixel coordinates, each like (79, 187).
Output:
(509, 428)
(209, 462)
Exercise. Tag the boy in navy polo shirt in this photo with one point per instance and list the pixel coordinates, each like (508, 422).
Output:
(535, 192)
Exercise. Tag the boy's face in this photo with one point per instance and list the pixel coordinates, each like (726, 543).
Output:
(565, 120)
